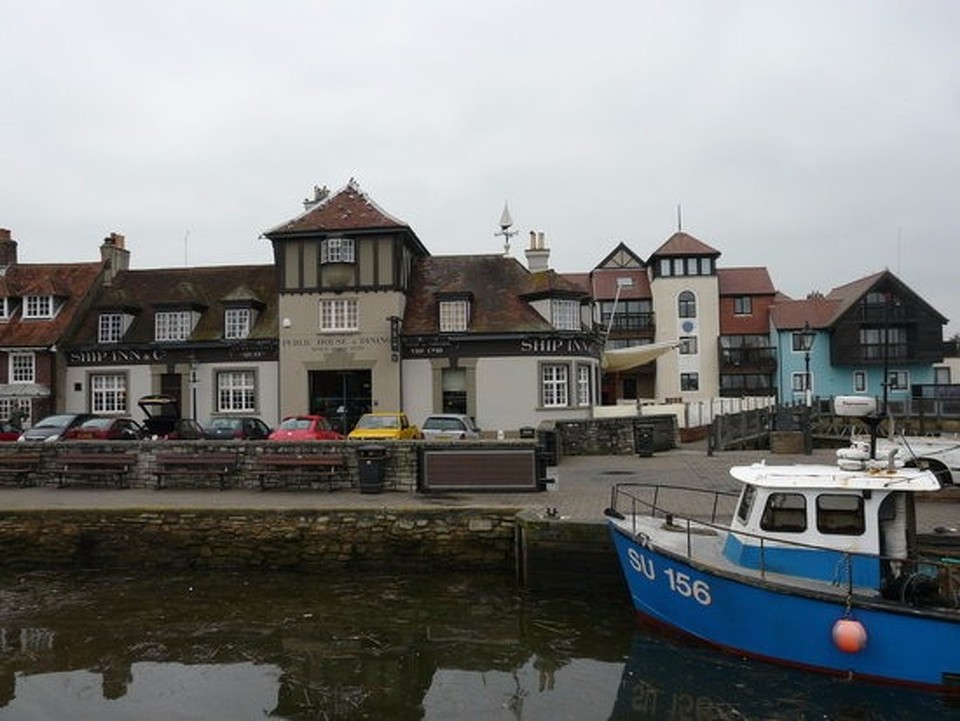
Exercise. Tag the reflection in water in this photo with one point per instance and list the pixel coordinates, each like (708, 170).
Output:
(293, 648)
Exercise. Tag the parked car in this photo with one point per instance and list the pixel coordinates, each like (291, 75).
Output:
(52, 428)
(449, 425)
(106, 429)
(163, 419)
(384, 426)
(9, 432)
(305, 428)
(248, 428)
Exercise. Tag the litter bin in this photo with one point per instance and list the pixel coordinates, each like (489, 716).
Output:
(371, 462)
(643, 439)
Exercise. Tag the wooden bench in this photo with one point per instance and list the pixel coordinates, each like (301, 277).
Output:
(193, 468)
(18, 467)
(110, 467)
(280, 470)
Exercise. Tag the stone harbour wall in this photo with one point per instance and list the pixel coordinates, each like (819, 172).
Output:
(420, 540)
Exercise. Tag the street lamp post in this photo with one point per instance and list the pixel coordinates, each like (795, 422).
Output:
(808, 337)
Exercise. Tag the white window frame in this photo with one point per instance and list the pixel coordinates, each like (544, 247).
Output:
(584, 385)
(172, 325)
(9, 405)
(338, 315)
(686, 378)
(894, 384)
(565, 314)
(236, 391)
(110, 327)
(5, 308)
(688, 345)
(237, 323)
(38, 306)
(108, 393)
(338, 250)
(23, 367)
(454, 315)
(743, 305)
(798, 382)
(859, 381)
(555, 385)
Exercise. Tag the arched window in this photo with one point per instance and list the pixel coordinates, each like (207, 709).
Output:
(687, 305)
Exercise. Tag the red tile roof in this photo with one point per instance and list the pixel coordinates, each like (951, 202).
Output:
(604, 282)
(745, 281)
(347, 209)
(818, 311)
(682, 244)
(69, 283)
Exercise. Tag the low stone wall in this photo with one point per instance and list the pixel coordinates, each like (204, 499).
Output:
(614, 436)
(416, 540)
(401, 464)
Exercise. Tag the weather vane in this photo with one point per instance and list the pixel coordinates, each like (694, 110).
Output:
(505, 224)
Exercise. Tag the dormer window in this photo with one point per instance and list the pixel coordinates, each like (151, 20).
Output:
(237, 323)
(565, 314)
(110, 327)
(454, 315)
(38, 306)
(337, 250)
(173, 325)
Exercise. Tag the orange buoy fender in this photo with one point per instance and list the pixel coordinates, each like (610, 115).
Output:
(849, 636)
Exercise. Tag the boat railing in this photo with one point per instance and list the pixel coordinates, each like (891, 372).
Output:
(923, 580)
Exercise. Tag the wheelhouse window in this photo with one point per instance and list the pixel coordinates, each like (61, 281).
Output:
(38, 306)
(687, 305)
(785, 513)
(236, 392)
(337, 250)
(840, 514)
(454, 316)
(689, 381)
(110, 327)
(338, 315)
(23, 367)
(173, 325)
(237, 323)
(746, 503)
(108, 393)
(565, 314)
(554, 385)
(743, 305)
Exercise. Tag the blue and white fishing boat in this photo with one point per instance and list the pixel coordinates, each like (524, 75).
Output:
(816, 566)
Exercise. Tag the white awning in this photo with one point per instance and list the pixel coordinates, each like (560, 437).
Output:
(23, 390)
(623, 359)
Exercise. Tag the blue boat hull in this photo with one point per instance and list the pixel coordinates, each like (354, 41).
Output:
(904, 645)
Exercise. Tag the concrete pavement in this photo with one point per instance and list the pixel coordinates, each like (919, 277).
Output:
(581, 491)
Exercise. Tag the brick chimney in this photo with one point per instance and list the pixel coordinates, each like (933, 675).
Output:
(8, 249)
(538, 254)
(114, 255)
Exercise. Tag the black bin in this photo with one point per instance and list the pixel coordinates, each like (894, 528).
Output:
(643, 439)
(371, 463)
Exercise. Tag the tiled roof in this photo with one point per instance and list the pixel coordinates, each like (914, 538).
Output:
(745, 281)
(207, 289)
(818, 311)
(68, 282)
(682, 244)
(497, 286)
(347, 209)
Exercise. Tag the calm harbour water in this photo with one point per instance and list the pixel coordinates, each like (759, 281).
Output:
(236, 647)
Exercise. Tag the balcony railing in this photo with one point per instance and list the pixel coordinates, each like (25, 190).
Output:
(732, 359)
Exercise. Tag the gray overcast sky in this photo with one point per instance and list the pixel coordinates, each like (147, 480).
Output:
(820, 139)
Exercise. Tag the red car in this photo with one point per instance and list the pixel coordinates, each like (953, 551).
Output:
(305, 428)
(105, 429)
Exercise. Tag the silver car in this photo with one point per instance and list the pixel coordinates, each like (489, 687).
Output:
(449, 425)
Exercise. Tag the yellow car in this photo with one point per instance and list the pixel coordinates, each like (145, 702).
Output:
(384, 426)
